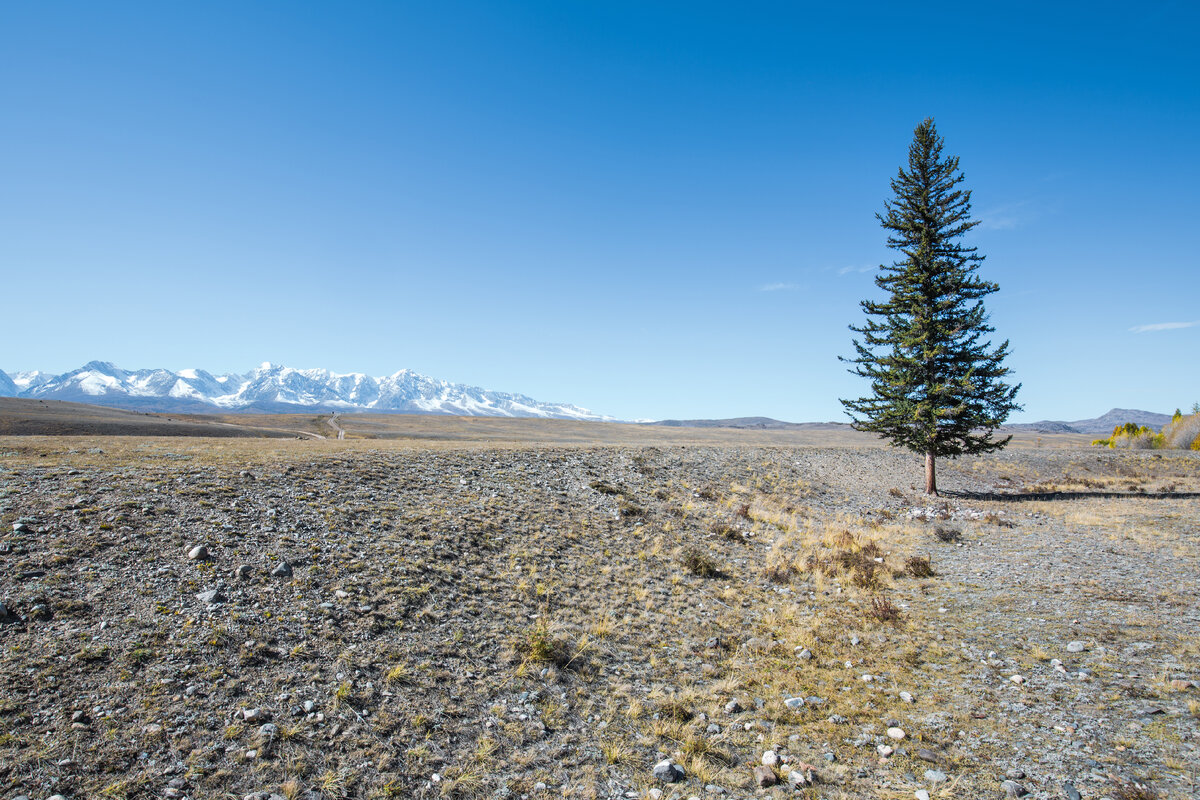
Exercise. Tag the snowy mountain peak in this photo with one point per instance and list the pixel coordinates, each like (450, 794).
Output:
(271, 387)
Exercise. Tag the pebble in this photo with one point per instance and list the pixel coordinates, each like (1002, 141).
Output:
(797, 778)
(668, 772)
(1013, 789)
(211, 597)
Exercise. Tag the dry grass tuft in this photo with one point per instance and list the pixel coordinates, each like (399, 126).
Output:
(884, 610)
(919, 567)
(699, 563)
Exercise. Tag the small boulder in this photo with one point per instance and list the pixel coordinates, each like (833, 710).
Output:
(668, 772)
(765, 777)
(199, 553)
(282, 570)
(1013, 790)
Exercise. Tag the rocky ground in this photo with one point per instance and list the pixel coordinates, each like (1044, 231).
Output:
(336, 620)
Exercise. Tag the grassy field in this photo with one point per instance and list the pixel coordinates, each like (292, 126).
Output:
(479, 608)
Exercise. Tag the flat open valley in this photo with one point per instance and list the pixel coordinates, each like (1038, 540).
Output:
(523, 614)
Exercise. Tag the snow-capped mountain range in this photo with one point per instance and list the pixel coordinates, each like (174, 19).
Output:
(277, 389)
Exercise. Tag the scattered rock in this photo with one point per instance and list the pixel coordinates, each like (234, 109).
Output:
(1076, 647)
(282, 570)
(896, 733)
(927, 755)
(935, 775)
(244, 571)
(794, 702)
(1018, 679)
(668, 772)
(1012, 789)
(211, 597)
(770, 759)
(199, 553)
(906, 697)
(1070, 791)
(765, 777)
(733, 707)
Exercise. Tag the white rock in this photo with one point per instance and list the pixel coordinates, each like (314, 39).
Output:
(770, 759)
(1017, 679)
(906, 697)
(895, 733)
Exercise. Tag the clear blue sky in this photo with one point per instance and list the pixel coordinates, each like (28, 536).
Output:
(648, 209)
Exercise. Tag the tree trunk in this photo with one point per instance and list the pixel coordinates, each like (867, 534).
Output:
(930, 475)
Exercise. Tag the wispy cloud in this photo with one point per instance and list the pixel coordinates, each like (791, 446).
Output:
(1006, 217)
(1163, 326)
(856, 268)
(779, 287)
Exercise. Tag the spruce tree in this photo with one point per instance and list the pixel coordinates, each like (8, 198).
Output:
(936, 380)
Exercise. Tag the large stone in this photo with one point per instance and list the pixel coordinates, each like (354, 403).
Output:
(1013, 790)
(764, 777)
(667, 772)
(199, 553)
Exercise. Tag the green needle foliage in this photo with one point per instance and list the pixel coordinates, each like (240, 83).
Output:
(936, 380)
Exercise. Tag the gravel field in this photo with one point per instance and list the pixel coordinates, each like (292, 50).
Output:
(211, 619)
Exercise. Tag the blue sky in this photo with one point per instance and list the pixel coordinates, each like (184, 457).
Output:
(648, 209)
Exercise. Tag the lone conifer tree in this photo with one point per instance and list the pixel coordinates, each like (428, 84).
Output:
(936, 383)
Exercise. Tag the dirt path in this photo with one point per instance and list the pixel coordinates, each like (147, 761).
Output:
(333, 423)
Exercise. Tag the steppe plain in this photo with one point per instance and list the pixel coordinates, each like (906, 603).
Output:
(490, 608)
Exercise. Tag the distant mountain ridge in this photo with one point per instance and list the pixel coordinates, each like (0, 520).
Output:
(1103, 424)
(274, 388)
